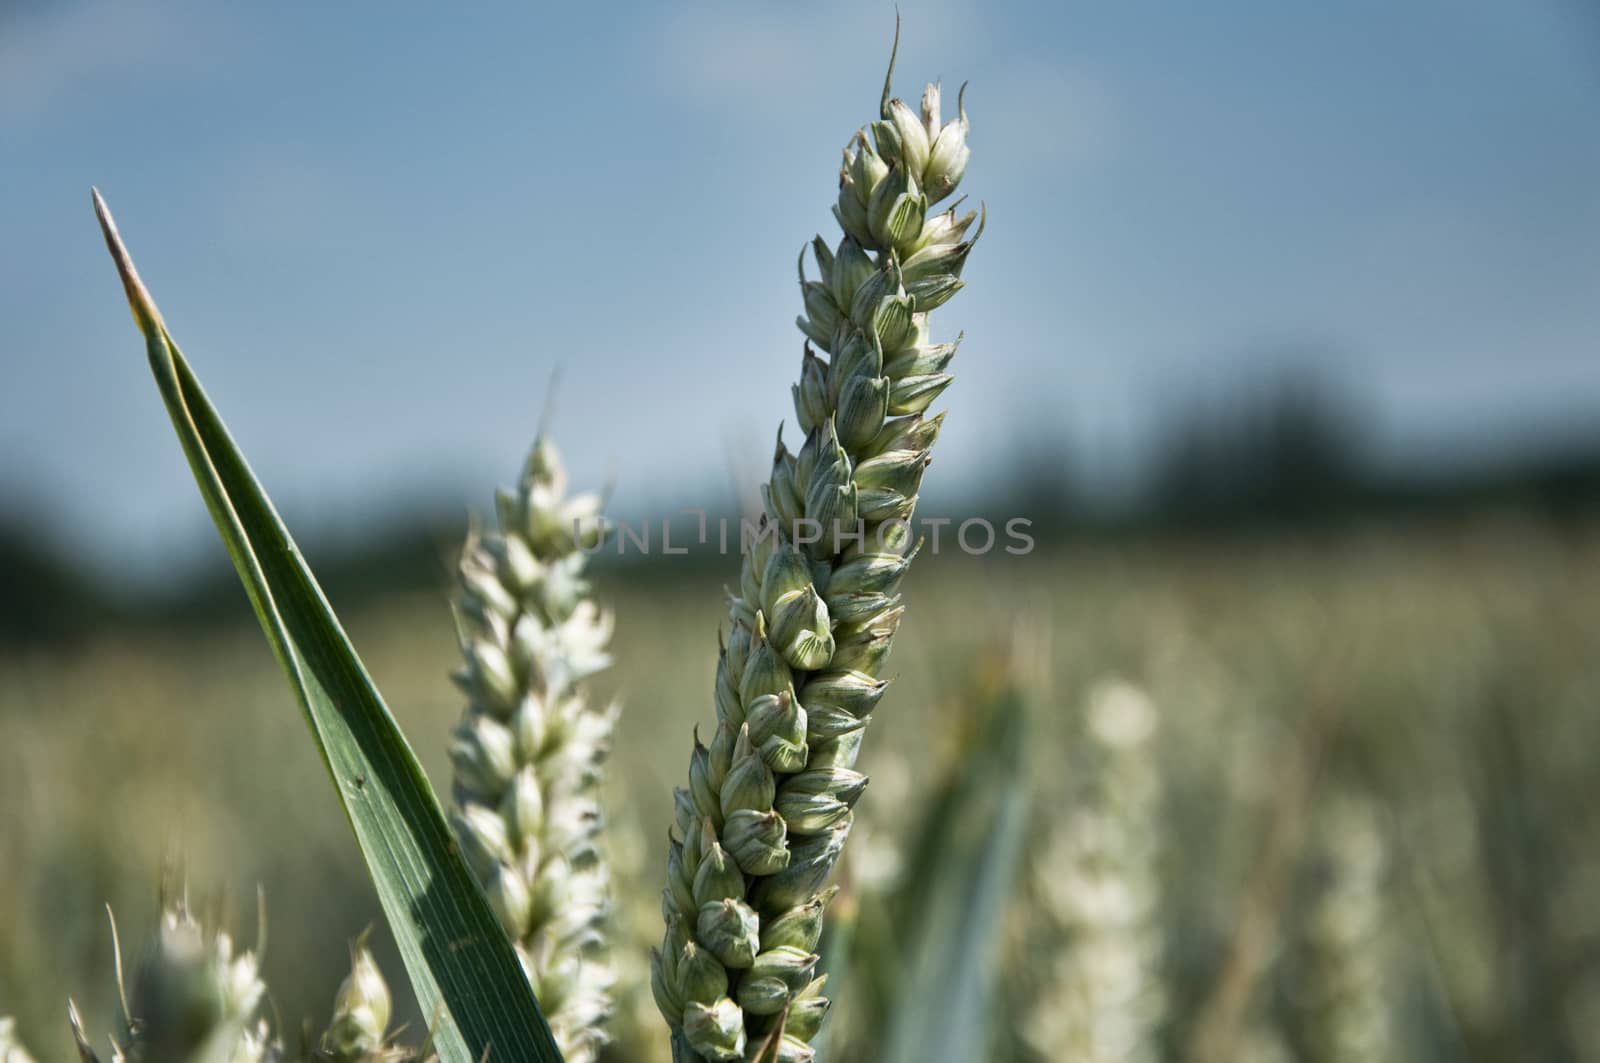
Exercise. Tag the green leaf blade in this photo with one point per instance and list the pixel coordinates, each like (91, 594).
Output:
(468, 979)
(960, 879)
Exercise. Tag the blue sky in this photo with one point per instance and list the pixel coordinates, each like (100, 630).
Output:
(377, 227)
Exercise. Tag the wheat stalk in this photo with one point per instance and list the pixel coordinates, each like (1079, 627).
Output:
(768, 806)
(528, 751)
(1099, 884)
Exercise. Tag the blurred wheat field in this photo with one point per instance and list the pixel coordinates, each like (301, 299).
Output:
(1456, 665)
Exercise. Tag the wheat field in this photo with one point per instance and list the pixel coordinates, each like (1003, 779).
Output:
(1450, 668)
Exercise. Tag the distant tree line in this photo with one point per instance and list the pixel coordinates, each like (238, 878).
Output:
(1289, 456)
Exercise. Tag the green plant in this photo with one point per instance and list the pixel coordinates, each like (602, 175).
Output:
(529, 749)
(194, 1000)
(1337, 982)
(359, 1029)
(466, 973)
(770, 799)
(768, 805)
(922, 982)
(1098, 886)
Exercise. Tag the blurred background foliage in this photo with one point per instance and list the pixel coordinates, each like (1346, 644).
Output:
(1375, 716)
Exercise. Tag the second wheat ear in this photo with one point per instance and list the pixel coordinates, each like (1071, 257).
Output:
(529, 748)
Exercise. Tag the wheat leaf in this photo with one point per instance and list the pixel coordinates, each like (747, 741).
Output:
(460, 962)
(947, 1009)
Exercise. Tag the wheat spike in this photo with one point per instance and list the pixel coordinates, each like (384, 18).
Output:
(529, 749)
(768, 805)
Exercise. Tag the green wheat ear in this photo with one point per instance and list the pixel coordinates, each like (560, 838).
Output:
(359, 1029)
(194, 998)
(768, 805)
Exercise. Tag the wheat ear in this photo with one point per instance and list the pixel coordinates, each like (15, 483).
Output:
(768, 805)
(1099, 885)
(1339, 982)
(195, 999)
(359, 1029)
(528, 751)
